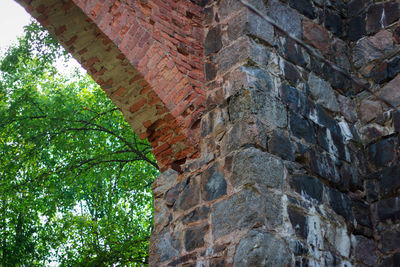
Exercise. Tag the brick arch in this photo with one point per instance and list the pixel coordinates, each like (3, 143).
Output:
(146, 55)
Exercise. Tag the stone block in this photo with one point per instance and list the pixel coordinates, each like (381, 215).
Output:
(305, 7)
(213, 41)
(298, 221)
(301, 127)
(197, 214)
(380, 154)
(286, 17)
(189, 197)
(390, 180)
(391, 91)
(261, 249)
(388, 209)
(166, 246)
(322, 92)
(240, 211)
(255, 101)
(347, 108)
(281, 146)
(309, 187)
(194, 237)
(390, 241)
(252, 166)
(164, 182)
(317, 36)
(340, 203)
(334, 23)
(357, 27)
(213, 183)
(324, 165)
(364, 250)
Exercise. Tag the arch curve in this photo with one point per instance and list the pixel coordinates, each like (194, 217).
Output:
(146, 55)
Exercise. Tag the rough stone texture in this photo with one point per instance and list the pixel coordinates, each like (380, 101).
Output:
(261, 249)
(270, 155)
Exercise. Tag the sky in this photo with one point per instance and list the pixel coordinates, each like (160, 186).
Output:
(13, 18)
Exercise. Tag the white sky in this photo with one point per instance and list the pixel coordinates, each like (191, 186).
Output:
(13, 18)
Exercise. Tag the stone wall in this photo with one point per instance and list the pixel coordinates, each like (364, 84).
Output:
(275, 122)
(299, 147)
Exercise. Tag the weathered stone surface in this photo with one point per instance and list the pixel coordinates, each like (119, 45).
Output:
(357, 27)
(390, 180)
(347, 108)
(261, 249)
(237, 212)
(317, 36)
(323, 165)
(391, 91)
(332, 143)
(340, 52)
(194, 237)
(382, 153)
(365, 250)
(281, 146)
(167, 246)
(369, 110)
(305, 7)
(246, 23)
(372, 48)
(293, 52)
(340, 203)
(213, 41)
(291, 73)
(388, 209)
(391, 261)
(362, 213)
(309, 187)
(213, 183)
(380, 15)
(334, 23)
(393, 67)
(189, 197)
(322, 92)
(245, 133)
(298, 221)
(164, 182)
(285, 17)
(390, 241)
(255, 101)
(296, 100)
(252, 166)
(301, 127)
(197, 214)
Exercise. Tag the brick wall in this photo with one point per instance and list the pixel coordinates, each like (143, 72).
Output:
(279, 119)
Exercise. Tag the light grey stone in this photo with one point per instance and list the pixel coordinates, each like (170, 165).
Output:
(322, 92)
(164, 182)
(167, 246)
(261, 249)
(252, 166)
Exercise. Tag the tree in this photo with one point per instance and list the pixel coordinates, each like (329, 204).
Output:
(75, 183)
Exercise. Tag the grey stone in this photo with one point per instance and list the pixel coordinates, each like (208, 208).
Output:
(261, 249)
(286, 17)
(255, 101)
(164, 182)
(322, 92)
(194, 237)
(252, 166)
(365, 250)
(189, 197)
(237, 212)
(281, 146)
(213, 183)
(213, 42)
(167, 246)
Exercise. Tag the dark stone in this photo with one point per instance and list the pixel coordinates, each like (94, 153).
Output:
(167, 246)
(218, 262)
(380, 72)
(261, 249)
(189, 196)
(197, 214)
(396, 121)
(323, 165)
(354, 7)
(372, 188)
(393, 67)
(323, 119)
(183, 259)
(172, 195)
(390, 241)
(362, 213)
(365, 250)
(301, 127)
(298, 221)
(280, 145)
(293, 52)
(374, 15)
(309, 187)
(305, 7)
(390, 180)
(211, 71)
(331, 143)
(213, 183)
(291, 73)
(286, 17)
(297, 101)
(340, 203)
(389, 209)
(213, 42)
(334, 23)
(392, 12)
(382, 153)
(194, 237)
(391, 261)
(357, 28)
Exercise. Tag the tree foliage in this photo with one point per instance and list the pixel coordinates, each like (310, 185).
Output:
(74, 179)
